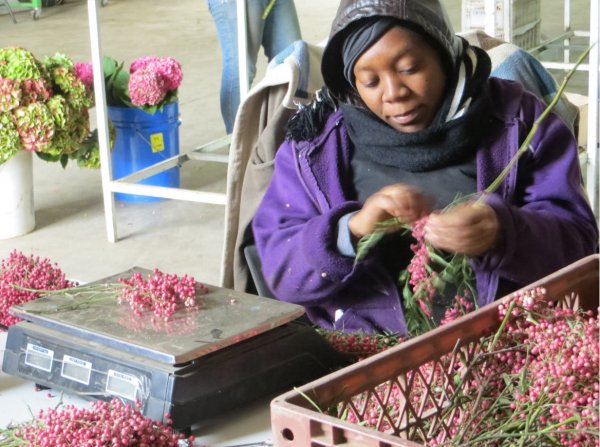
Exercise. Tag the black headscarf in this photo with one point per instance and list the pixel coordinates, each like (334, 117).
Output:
(457, 127)
(366, 32)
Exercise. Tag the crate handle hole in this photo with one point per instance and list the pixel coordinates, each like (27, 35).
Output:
(287, 434)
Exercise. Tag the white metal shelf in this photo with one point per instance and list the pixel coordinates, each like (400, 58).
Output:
(128, 183)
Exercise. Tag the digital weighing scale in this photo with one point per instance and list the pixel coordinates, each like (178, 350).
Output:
(233, 349)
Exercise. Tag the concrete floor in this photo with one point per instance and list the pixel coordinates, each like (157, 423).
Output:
(174, 236)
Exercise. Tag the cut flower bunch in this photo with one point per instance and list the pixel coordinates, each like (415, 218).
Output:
(150, 83)
(534, 382)
(158, 295)
(111, 423)
(23, 278)
(43, 108)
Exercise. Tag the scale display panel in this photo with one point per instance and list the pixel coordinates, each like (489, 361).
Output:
(223, 317)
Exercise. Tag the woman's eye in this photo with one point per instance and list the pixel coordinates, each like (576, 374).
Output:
(369, 83)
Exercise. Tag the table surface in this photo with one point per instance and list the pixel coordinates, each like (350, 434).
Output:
(245, 427)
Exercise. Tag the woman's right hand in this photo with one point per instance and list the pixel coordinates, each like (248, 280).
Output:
(408, 204)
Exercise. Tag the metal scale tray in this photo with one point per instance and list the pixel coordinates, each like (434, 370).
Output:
(233, 349)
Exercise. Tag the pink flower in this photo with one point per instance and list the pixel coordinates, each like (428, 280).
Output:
(142, 62)
(85, 74)
(21, 277)
(171, 71)
(167, 67)
(10, 94)
(147, 87)
(34, 90)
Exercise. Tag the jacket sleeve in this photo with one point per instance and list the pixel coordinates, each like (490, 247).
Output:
(546, 220)
(296, 238)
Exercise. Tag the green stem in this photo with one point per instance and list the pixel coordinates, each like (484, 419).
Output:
(268, 10)
(525, 146)
(525, 434)
(501, 328)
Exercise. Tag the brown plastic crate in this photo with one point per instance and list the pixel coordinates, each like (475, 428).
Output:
(296, 423)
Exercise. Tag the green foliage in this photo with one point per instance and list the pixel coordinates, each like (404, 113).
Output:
(116, 82)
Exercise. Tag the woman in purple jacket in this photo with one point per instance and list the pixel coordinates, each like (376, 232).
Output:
(409, 120)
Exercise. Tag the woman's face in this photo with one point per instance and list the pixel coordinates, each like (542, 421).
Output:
(401, 79)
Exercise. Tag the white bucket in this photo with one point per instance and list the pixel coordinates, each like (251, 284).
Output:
(17, 214)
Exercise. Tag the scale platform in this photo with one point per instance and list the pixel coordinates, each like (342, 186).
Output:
(234, 348)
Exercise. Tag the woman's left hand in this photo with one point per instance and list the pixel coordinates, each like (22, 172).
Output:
(470, 228)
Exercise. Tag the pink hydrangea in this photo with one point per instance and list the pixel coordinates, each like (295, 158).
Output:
(85, 74)
(147, 87)
(35, 126)
(167, 67)
(10, 94)
(171, 71)
(142, 62)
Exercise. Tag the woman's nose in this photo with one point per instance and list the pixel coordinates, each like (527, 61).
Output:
(394, 89)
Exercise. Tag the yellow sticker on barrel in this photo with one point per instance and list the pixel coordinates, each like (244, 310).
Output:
(157, 142)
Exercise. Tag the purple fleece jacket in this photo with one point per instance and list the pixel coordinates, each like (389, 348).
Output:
(545, 219)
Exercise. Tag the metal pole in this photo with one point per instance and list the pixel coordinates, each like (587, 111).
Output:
(490, 18)
(102, 121)
(242, 49)
(592, 136)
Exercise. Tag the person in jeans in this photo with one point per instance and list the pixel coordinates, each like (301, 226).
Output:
(272, 24)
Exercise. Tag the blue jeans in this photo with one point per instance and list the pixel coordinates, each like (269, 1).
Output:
(276, 33)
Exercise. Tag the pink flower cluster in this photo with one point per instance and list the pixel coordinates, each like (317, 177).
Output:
(429, 275)
(23, 278)
(359, 345)
(105, 424)
(421, 278)
(35, 126)
(533, 383)
(161, 293)
(152, 79)
(85, 73)
(22, 92)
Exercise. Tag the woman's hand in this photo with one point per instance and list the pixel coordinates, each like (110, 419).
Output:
(469, 228)
(404, 202)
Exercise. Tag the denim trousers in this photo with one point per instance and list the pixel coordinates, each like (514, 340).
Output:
(275, 33)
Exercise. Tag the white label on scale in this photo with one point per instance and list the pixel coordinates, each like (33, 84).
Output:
(122, 384)
(76, 369)
(39, 357)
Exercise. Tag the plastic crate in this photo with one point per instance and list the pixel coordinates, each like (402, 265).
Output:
(296, 422)
(524, 18)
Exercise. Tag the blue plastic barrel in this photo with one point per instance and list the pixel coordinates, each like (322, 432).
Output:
(144, 139)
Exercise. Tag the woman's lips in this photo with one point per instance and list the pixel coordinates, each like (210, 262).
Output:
(405, 118)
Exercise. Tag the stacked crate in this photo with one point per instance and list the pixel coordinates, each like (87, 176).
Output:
(516, 21)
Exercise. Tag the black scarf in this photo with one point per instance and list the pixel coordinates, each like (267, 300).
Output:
(452, 136)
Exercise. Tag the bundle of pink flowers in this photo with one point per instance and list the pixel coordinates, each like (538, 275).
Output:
(534, 383)
(151, 79)
(161, 293)
(151, 82)
(104, 424)
(23, 278)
